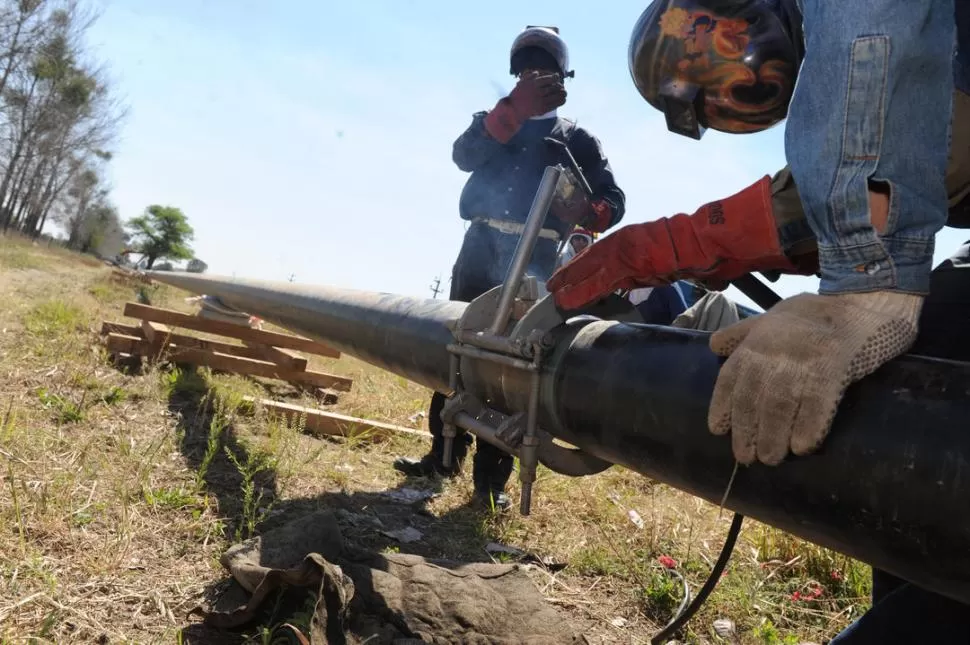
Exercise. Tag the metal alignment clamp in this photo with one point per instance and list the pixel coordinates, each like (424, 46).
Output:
(509, 326)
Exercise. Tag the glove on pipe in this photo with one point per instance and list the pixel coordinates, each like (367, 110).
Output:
(788, 368)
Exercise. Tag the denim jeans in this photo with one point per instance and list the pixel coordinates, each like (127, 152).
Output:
(873, 103)
(902, 612)
(485, 258)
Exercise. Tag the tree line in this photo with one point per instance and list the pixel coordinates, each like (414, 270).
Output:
(59, 121)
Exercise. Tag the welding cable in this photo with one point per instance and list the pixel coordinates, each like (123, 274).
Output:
(686, 611)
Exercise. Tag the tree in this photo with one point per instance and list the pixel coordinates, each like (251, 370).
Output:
(101, 231)
(196, 265)
(58, 120)
(162, 232)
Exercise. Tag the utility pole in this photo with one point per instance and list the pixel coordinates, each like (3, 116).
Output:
(292, 275)
(436, 288)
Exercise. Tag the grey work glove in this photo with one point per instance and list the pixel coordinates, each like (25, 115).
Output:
(788, 368)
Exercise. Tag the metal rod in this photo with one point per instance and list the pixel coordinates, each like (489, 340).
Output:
(575, 167)
(527, 243)
(448, 432)
(529, 453)
(501, 359)
(493, 343)
(483, 431)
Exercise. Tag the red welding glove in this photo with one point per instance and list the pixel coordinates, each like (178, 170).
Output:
(601, 217)
(723, 240)
(533, 95)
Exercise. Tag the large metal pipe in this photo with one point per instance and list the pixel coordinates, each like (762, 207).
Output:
(890, 486)
(407, 336)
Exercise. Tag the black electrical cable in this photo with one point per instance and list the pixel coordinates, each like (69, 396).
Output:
(758, 291)
(685, 612)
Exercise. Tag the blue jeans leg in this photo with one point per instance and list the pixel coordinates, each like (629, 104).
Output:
(904, 613)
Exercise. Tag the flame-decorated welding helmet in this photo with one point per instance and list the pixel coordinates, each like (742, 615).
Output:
(729, 65)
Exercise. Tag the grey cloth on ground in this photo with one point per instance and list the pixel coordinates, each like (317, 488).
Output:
(390, 599)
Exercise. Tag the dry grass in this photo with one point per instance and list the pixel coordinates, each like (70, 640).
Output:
(121, 490)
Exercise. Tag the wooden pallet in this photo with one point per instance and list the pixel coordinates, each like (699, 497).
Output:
(263, 353)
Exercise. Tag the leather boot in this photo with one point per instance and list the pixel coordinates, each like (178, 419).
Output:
(491, 469)
(426, 466)
(431, 463)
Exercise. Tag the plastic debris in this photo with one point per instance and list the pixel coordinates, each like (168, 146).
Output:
(405, 536)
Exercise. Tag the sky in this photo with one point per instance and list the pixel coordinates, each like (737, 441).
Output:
(312, 139)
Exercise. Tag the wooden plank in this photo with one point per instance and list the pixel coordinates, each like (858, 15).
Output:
(324, 423)
(157, 334)
(108, 327)
(227, 363)
(185, 321)
(282, 357)
(182, 340)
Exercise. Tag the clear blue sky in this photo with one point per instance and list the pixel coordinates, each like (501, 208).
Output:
(314, 137)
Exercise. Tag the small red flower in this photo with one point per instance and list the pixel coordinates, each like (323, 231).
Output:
(815, 593)
(836, 575)
(795, 597)
(667, 562)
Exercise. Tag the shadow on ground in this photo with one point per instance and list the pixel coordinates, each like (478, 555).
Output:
(363, 517)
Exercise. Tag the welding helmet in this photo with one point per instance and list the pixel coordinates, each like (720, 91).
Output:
(539, 48)
(729, 65)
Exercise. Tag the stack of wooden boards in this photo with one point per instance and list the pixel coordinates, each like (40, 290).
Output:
(262, 353)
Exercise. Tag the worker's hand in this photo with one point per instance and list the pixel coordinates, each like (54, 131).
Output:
(721, 241)
(535, 94)
(570, 203)
(788, 368)
(604, 267)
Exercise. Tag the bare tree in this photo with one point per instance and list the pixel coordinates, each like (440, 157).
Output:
(58, 120)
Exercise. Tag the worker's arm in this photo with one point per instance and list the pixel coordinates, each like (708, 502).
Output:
(490, 131)
(609, 201)
(762, 228)
(475, 146)
(866, 137)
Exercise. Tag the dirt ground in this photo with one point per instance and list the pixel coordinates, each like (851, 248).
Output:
(122, 486)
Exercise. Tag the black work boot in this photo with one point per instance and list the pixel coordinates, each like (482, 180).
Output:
(491, 469)
(492, 500)
(431, 463)
(427, 466)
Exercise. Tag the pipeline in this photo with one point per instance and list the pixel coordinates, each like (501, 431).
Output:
(890, 486)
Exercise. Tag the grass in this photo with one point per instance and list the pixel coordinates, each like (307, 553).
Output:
(120, 490)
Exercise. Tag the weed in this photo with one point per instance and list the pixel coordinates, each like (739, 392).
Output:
(217, 425)
(52, 318)
(65, 411)
(252, 513)
(661, 594)
(170, 498)
(115, 395)
(768, 634)
(18, 258)
(184, 382)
